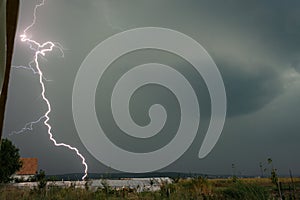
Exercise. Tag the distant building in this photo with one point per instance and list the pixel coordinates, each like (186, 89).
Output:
(28, 170)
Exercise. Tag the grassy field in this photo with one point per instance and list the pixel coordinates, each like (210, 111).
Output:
(181, 189)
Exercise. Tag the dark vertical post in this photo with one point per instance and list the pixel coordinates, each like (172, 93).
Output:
(12, 9)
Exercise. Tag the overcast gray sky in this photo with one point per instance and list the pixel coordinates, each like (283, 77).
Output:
(255, 44)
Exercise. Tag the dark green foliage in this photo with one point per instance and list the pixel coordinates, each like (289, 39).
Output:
(167, 189)
(245, 191)
(9, 160)
(41, 178)
(106, 186)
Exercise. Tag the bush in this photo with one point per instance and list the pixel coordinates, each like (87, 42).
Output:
(41, 178)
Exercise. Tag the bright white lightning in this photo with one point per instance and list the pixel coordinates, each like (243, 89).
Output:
(40, 50)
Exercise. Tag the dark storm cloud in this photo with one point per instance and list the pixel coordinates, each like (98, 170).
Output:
(252, 42)
(255, 44)
(249, 90)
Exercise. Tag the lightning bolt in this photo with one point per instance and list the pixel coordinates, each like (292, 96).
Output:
(40, 50)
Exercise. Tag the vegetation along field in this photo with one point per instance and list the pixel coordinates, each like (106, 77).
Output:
(190, 188)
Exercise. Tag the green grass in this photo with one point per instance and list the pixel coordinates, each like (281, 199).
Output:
(245, 191)
(196, 188)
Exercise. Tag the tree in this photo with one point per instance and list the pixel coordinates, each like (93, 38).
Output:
(9, 160)
(41, 178)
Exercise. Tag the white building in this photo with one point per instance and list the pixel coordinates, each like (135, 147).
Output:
(28, 170)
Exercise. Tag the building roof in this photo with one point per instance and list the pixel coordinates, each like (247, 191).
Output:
(29, 167)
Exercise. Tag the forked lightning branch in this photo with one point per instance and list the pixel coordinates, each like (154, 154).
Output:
(40, 50)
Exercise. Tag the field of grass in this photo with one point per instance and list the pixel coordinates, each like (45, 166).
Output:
(181, 189)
